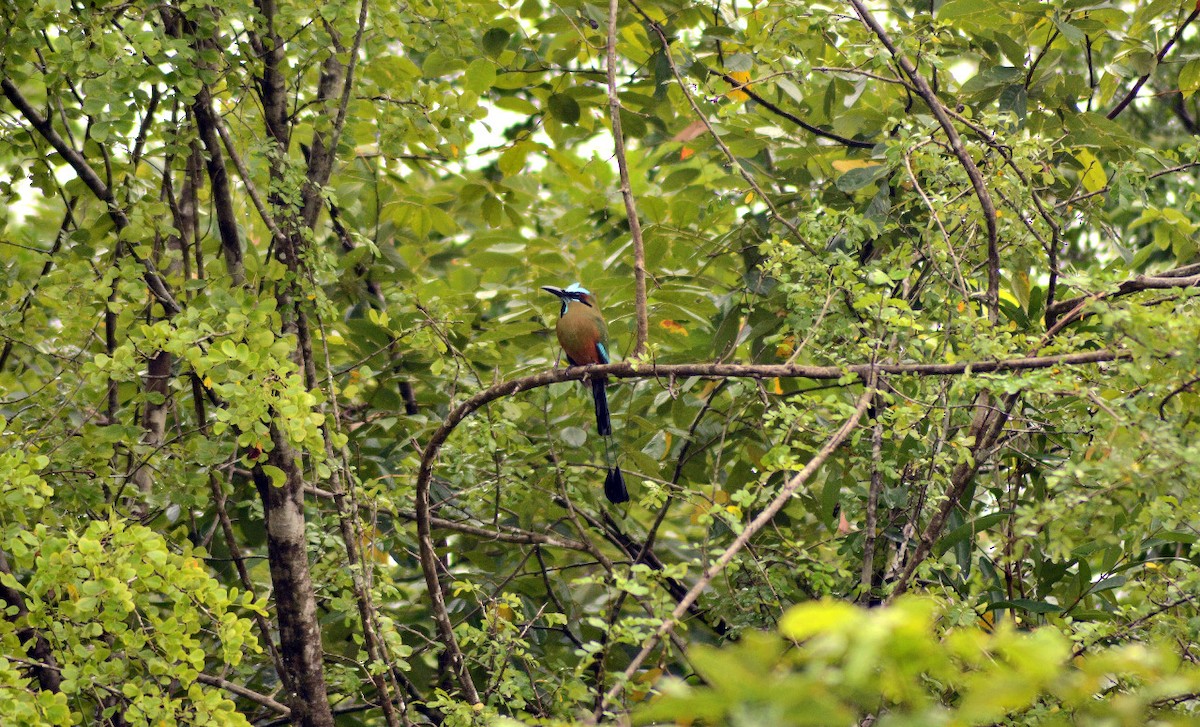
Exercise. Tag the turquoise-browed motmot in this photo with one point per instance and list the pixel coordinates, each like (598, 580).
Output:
(583, 336)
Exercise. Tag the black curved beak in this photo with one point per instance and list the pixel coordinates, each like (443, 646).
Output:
(555, 291)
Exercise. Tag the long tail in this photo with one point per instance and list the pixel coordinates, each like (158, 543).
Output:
(600, 397)
(614, 486)
(614, 481)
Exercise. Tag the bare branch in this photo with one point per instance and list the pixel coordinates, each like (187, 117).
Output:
(744, 87)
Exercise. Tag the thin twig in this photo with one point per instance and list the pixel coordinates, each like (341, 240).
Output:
(241, 691)
(744, 87)
(872, 519)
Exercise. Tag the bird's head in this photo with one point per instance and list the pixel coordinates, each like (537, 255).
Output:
(573, 292)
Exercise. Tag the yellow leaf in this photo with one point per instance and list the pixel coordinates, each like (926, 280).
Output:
(786, 347)
(743, 79)
(673, 327)
(646, 679)
(370, 547)
(776, 387)
(1093, 177)
(845, 165)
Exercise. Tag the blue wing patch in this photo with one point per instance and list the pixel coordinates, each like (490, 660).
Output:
(603, 352)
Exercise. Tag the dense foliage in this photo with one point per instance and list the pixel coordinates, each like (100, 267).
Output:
(904, 294)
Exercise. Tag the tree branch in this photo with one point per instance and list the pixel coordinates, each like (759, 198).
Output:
(320, 159)
(423, 516)
(985, 430)
(744, 87)
(154, 281)
(241, 691)
(631, 213)
(1182, 277)
(1162, 53)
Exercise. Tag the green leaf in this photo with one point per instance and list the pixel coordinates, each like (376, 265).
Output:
(968, 530)
(512, 161)
(975, 10)
(494, 41)
(573, 436)
(1024, 604)
(438, 64)
(480, 76)
(991, 77)
(1189, 78)
(1069, 31)
(860, 177)
(278, 476)
(564, 108)
(740, 62)
(1014, 99)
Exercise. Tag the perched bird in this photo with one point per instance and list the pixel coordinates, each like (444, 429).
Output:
(583, 336)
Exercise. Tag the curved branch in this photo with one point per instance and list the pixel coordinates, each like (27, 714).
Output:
(425, 521)
(939, 113)
(631, 213)
(1186, 386)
